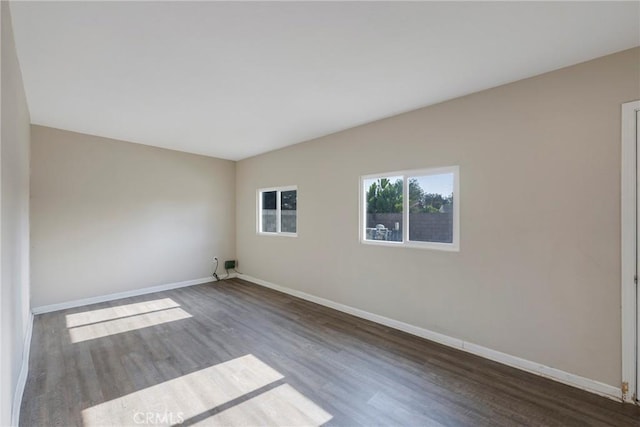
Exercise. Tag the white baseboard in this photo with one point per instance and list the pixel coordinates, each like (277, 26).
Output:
(24, 372)
(120, 295)
(583, 383)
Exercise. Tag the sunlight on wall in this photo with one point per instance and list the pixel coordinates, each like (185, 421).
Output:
(189, 398)
(126, 324)
(104, 314)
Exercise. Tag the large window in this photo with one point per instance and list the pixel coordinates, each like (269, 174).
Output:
(411, 208)
(277, 211)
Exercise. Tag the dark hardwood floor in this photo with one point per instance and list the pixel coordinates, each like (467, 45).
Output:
(234, 353)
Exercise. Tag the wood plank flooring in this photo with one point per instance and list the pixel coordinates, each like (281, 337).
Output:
(240, 354)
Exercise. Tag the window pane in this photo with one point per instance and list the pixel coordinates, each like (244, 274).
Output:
(288, 212)
(384, 209)
(269, 214)
(431, 208)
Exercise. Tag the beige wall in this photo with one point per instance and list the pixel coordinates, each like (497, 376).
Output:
(14, 218)
(111, 216)
(538, 273)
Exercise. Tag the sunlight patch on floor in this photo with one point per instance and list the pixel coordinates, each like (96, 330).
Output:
(110, 313)
(190, 397)
(126, 324)
(281, 406)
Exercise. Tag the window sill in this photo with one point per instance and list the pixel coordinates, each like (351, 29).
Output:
(446, 247)
(262, 233)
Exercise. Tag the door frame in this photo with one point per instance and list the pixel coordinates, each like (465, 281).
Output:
(629, 225)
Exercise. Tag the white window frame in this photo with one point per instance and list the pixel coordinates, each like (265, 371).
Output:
(454, 246)
(278, 191)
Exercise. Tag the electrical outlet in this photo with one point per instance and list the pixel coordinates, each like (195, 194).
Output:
(229, 264)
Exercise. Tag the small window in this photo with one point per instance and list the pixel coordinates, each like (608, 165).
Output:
(411, 208)
(277, 211)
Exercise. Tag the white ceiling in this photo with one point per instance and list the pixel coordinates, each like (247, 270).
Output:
(233, 80)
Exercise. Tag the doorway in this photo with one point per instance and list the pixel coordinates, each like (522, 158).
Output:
(630, 210)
